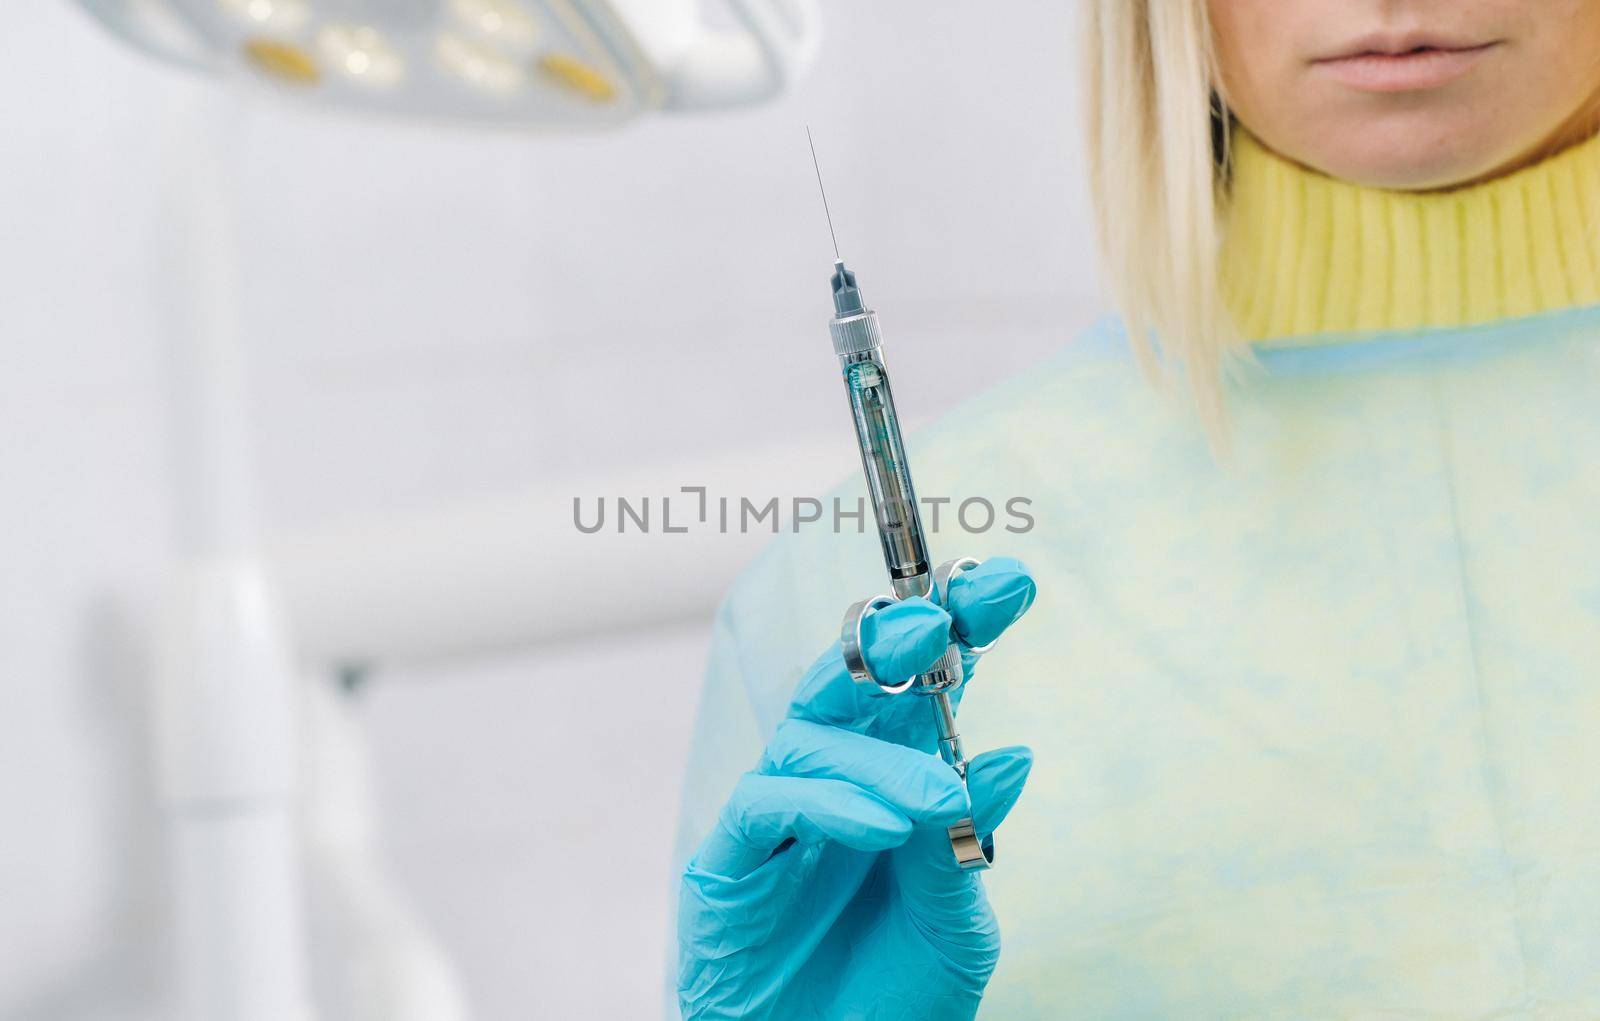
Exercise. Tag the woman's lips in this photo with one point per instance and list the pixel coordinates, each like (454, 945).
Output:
(1413, 70)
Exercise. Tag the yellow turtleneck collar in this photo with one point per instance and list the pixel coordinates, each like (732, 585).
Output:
(1306, 254)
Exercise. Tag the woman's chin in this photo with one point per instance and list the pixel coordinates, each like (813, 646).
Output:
(1413, 158)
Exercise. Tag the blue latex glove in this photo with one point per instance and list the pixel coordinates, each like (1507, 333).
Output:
(828, 888)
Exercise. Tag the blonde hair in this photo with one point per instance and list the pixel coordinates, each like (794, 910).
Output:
(1157, 163)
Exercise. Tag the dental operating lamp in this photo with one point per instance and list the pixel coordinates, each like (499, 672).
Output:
(517, 63)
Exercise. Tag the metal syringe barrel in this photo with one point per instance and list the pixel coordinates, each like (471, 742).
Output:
(859, 345)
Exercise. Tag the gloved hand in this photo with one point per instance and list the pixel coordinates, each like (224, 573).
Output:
(828, 889)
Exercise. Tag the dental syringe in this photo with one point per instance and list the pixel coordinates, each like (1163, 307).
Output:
(858, 343)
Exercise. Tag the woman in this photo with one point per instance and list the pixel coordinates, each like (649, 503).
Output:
(1316, 718)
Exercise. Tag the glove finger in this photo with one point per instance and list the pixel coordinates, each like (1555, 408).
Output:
(935, 889)
(983, 603)
(898, 642)
(914, 783)
(995, 781)
(986, 600)
(766, 811)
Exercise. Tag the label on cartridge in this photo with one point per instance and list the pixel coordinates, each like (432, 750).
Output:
(865, 375)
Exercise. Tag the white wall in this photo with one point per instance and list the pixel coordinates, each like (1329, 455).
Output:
(432, 316)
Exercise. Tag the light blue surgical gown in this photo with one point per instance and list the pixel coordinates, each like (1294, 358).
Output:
(1317, 733)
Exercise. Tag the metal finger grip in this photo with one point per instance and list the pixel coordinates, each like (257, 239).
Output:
(850, 646)
(943, 575)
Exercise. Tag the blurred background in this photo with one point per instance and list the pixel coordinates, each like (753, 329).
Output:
(438, 325)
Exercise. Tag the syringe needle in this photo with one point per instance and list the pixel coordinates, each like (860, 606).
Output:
(818, 167)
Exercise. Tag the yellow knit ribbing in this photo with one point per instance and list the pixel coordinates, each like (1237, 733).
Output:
(1306, 254)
